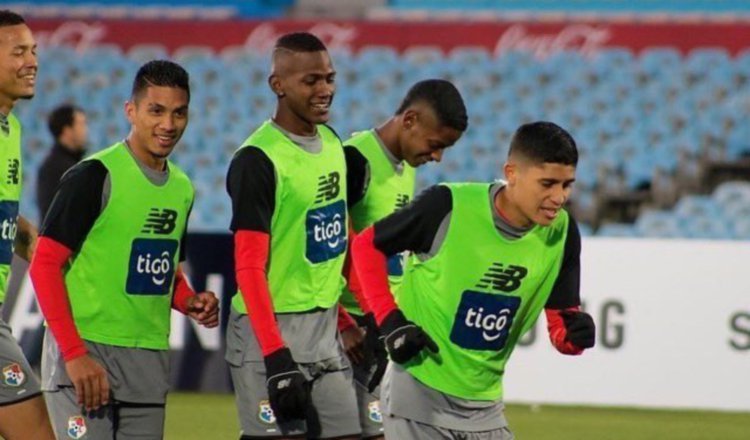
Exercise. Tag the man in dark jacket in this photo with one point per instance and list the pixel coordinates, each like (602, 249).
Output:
(67, 124)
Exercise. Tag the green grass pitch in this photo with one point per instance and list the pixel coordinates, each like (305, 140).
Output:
(213, 416)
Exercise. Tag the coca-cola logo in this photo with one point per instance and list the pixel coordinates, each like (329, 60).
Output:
(336, 37)
(77, 34)
(584, 38)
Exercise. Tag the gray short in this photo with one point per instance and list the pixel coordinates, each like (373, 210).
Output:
(399, 428)
(116, 420)
(370, 417)
(334, 408)
(18, 382)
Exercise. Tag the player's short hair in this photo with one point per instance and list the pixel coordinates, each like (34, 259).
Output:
(444, 99)
(160, 73)
(10, 18)
(61, 117)
(544, 142)
(300, 42)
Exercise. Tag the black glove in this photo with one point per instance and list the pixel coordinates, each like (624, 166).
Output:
(403, 338)
(374, 351)
(288, 390)
(580, 328)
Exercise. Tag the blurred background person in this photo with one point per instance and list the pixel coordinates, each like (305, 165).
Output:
(69, 129)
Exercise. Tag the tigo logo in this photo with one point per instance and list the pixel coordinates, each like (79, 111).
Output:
(326, 232)
(8, 229)
(483, 320)
(151, 266)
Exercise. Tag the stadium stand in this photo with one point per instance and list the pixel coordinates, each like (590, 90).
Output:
(650, 128)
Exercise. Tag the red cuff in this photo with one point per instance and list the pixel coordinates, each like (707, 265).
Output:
(251, 257)
(345, 320)
(372, 271)
(558, 332)
(46, 272)
(182, 291)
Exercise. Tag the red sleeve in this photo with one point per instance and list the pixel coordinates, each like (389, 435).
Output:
(251, 257)
(353, 280)
(372, 271)
(182, 291)
(558, 332)
(46, 273)
(345, 320)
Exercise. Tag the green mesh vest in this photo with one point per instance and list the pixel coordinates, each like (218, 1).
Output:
(479, 295)
(120, 281)
(308, 226)
(10, 193)
(386, 192)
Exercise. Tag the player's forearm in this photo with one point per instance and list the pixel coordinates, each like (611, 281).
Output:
(372, 271)
(46, 273)
(25, 240)
(182, 292)
(352, 280)
(251, 257)
(345, 320)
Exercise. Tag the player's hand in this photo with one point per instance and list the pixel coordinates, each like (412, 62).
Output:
(288, 390)
(374, 350)
(90, 381)
(204, 308)
(580, 328)
(353, 341)
(404, 339)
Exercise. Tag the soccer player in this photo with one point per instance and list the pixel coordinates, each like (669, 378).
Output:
(381, 167)
(22, 411)
(107, 273)
(289, 217)
(489, 258)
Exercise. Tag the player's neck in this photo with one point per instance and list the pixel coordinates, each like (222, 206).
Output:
(144, 157)
(508, 211)
(293, 124)
(388, 133)
(6, 105)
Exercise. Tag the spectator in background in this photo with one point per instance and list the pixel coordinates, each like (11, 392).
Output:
(67, 124)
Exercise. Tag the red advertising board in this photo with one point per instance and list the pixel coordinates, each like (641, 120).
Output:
(542, 38)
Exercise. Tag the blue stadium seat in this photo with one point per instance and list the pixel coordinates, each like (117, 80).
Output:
(658, 224)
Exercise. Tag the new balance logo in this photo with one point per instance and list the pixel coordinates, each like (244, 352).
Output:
(402, 200)
(503, 278)
(14, 168)
(328, 187)
(284, 383)
(160, 221)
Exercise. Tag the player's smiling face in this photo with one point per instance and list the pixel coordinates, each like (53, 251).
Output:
(422, 138)
(18, 64)
(307, 86)
(158, 117)
(537, 191)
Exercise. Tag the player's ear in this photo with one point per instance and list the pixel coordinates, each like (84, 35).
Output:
(275, 83)
(130, 110)
(510, 169)
(409, 118)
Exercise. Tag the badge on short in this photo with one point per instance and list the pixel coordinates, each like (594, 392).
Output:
(76, 427)
(265, 413)
(13, 375)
